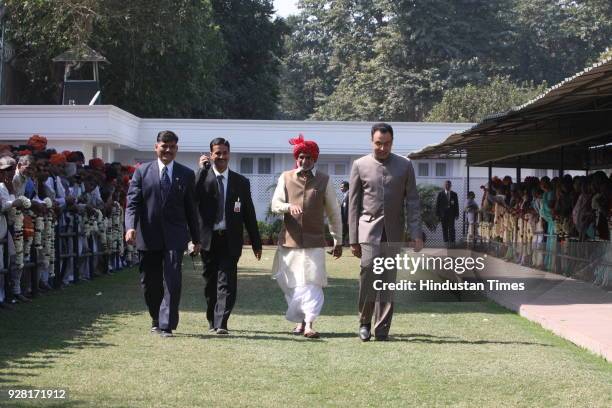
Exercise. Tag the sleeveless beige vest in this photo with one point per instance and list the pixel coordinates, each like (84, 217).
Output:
(306, 230)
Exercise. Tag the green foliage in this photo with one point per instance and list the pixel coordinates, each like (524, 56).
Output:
(39, 30)
(471, 103)
(427, 195)
(164, 56)
(264, 229)
(336, 60)
(168, 58)
(248, 84)
(394, 60)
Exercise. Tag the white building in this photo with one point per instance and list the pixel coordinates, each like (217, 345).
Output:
(259, 148)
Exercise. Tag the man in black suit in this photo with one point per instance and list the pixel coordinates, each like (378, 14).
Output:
(447, 210)
(224, 206)
(344, 210)
(161, 218)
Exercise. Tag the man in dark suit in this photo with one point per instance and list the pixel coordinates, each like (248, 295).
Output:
(344, 211)
(447, 210)
(224, 207)
(161, 218)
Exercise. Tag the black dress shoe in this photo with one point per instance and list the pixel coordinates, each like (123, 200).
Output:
(364, 333)
(166, 333)
(155, 330)
(382, 338)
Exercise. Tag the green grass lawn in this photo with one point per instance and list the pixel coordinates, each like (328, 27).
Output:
(93, 340)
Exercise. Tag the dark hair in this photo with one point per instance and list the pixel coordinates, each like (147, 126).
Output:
(345, 183)
(76, 156)
(471, 194)
(41, 155)
(382, 128)
(166, 136)
(219, 141)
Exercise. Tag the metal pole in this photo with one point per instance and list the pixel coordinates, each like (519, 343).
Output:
(490, 173)
(464, 196)
(562, 159)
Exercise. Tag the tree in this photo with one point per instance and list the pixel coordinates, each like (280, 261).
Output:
(306, 75)
(168, 58)
(165, 56)
(40, 30)
(394, 60)
(472, 103)
(248, 86)
(552, 40)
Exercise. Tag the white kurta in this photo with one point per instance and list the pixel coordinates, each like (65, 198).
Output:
(300, 272)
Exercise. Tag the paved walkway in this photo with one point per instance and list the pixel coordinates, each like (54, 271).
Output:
(575, 310)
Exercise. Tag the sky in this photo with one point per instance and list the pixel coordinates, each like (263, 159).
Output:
(285, 7)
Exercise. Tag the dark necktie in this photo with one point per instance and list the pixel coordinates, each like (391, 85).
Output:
(220, 200)
(165, 184)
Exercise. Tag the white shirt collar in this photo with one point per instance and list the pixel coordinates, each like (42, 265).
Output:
(162, 165)
(224, 174)
(313, 170)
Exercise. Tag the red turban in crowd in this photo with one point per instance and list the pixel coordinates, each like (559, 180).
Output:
(37, 142)
(304, 146)
(96, 163)
(57, 159)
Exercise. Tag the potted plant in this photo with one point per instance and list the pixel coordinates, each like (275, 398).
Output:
(275, 229)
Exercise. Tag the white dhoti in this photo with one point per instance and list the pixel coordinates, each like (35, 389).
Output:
(301, 275)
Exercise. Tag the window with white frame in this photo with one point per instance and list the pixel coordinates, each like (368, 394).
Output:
(256, 165)
(323, 167)
(340, 169)
(264, 165)
(423, 170)
(246, 165)
(440, 169)
(333, 167)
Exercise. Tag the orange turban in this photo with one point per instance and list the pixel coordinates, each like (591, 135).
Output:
(96, 163)
(37, 142)
(57, 159)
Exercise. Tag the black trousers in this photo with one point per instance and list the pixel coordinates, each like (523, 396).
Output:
(448, 228)
(160, 277)
(220, 282)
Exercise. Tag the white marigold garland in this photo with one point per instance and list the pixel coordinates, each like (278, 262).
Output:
(103, 234)
(17, 216)
(114, 228)
(27, 246)
(18, 238)
(120, 232)
(48, 238)
(39, 226)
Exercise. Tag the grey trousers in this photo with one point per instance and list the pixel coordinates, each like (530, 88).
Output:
(372, 302)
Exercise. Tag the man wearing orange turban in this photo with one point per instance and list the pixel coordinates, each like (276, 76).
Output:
(304, 196)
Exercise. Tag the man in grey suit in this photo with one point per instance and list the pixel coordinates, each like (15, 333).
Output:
(383, 204)
(161, 218)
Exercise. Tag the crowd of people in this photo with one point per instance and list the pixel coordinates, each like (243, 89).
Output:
(532, 217)
(44, 192)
